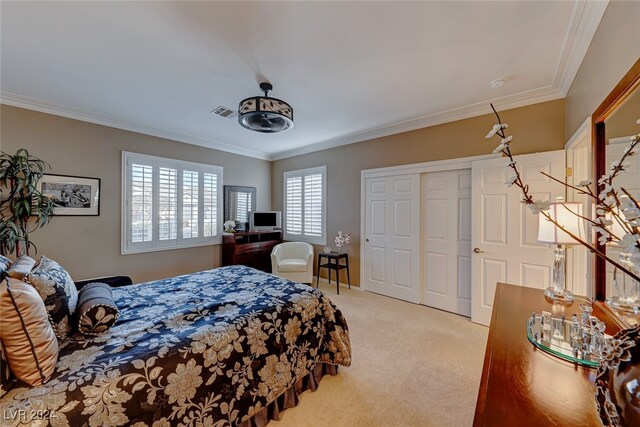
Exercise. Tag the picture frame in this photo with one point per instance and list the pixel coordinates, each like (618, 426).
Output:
(72, 195)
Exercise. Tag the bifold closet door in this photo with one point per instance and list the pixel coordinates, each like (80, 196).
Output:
(446, 219)
(391, 247)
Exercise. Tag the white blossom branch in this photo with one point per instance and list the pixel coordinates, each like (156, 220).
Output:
(603, 203)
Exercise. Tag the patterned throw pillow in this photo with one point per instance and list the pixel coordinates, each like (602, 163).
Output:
(30, 345)
(97, 312)
(59, 293)
(5, 264)
(21, 268)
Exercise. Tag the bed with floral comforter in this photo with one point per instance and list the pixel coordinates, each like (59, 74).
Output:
(213, 348)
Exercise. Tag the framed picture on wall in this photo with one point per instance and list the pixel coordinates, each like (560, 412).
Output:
(72, 195)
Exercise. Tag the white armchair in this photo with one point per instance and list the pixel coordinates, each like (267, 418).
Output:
(293, 261)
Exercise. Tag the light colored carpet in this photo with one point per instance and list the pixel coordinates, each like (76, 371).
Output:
(412, 366)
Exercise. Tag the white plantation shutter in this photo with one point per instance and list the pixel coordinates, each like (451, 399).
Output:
(190, 196)
(243, 206)
(141, 203)
(210, 204)
(293, 208)
(313, 202)
(305, 205)
(169, 203)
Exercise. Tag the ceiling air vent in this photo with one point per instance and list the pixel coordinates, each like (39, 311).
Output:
(225, 112)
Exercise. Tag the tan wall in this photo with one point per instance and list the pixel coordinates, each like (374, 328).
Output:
(90, 246)
(614, 49)
(535, 128)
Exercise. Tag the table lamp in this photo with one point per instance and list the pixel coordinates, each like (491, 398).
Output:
(567, 215)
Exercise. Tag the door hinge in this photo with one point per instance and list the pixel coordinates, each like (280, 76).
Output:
(569, 172)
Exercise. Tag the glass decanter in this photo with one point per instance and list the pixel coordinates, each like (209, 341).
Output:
(628, 296)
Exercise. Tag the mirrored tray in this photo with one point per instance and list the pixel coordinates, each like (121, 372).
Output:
(552, 334)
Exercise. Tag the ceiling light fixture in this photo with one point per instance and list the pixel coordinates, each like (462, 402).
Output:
(497, 83)
(264, 114)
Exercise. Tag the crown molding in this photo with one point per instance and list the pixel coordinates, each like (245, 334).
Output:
(21, 101)
(522, 99)
(584, 23)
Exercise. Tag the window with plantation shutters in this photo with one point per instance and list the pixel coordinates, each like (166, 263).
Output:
(305, 205)
(169, 203)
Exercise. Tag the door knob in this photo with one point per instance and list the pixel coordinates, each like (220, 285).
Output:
(367, 240)
(478, 250)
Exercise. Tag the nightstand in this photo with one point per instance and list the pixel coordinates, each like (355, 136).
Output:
(333, 263)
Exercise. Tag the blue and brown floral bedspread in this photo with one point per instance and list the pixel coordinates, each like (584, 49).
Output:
(210, 348)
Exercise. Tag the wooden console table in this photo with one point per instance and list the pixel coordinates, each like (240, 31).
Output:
(524, 386)
(250, 248)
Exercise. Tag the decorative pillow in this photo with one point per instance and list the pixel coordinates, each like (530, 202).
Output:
(97, 312)
(58, 292)
(5, 263)
(21, 268)
(29, 342)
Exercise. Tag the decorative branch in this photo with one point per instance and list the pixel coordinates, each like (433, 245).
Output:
(607, 202)
(573, 187)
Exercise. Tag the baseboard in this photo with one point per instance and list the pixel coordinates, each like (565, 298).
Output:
(333, 283)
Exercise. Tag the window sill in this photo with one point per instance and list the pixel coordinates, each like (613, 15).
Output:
(311, 240)
(170, 248)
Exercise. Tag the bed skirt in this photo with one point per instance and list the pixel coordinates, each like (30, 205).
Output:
(290, 397)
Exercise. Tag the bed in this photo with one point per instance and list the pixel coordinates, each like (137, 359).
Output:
(224, 347)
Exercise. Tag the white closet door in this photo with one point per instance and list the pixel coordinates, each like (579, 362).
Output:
(446, 219)
(505, 232)
(391, 250)
(579, 161)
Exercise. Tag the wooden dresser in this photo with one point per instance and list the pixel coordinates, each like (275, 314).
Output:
(523, 386)
(251, 248)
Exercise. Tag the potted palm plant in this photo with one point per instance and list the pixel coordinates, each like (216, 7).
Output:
(23, 208)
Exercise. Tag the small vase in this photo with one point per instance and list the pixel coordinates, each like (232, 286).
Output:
(628, 297)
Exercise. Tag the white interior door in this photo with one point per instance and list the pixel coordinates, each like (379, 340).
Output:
(391, 249)
(446, 219)
(505, 232)
(579, 161)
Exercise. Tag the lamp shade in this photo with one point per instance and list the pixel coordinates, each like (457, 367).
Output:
(565, 214)
(265, 114)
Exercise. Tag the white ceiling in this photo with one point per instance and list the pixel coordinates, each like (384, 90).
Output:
(351, 70)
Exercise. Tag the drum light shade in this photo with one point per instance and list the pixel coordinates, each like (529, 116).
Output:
(265, 114)
(565, 214)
